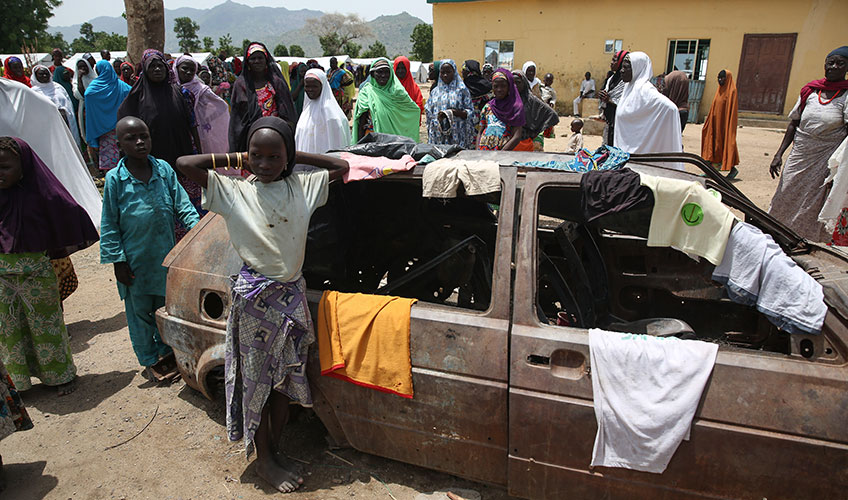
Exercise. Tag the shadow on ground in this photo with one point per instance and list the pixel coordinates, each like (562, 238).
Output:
(27, 481)
(92, 389)
(81, 332)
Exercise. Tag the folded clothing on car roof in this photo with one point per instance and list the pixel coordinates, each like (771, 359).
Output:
(442, 178)
(373, 167)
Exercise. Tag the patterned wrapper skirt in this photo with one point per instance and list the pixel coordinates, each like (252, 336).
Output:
(13, 414)
(33, 337)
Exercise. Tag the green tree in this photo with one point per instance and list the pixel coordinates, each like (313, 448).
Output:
(335, 30)
(24, 22)
(208, 44)
(186, 31)
(49, 41)
(244, 45)
(296, 51)
(281, 50)
(225, 44)
(376, 49)
(93, 41)
(422, 42)
(352, 49)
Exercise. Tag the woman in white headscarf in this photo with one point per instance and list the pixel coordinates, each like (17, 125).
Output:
(645, 120)
(529, 70)
(85, 75)
(43, 83)
(322, 125)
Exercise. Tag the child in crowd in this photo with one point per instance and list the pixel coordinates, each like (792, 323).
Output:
(141, 199)
(575, 143)
(549, 97)
(269, 328)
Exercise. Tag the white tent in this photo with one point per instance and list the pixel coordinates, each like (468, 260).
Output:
(420, 70)
(324, 62)
(31, 59)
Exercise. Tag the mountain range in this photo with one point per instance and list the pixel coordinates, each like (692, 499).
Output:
(271, 25)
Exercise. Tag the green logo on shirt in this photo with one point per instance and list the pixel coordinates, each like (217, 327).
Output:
(692, 214)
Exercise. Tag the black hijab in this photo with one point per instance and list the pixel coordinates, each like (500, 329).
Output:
(245, 106)
(282, 128)
(477, 85)
(163, 108)
(539, 116)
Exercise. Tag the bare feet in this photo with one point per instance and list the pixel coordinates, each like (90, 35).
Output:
(65, 389)
(283, 479)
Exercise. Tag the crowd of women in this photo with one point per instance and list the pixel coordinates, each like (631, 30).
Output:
(176, 138)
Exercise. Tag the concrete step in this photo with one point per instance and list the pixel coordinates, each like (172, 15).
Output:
(778, 123)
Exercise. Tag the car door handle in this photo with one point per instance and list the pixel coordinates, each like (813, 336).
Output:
(563, 363)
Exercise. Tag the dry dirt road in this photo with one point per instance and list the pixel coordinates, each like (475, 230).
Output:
(184, 452)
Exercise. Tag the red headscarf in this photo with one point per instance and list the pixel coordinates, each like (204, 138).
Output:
(408, 82)
(822, 84)
(237, 66)
(7, 72)
(619, 58)
(132, 78)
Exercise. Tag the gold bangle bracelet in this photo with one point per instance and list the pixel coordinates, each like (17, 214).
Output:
(228, 161)
(213, 161)
(240, 164)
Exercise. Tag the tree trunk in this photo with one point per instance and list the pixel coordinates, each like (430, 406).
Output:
(145, 27)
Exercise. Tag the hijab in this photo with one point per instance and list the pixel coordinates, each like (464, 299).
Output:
(538, 116)
(823, 84)
(284, 69)
(245, 106)
(132, 78)
(510, 109)
(7, 71)
(676, 88)
(453, 95)
(536, 81)
(39, 215)
(163, 108)
(58, 77)
(718, 137)
(477, 85)
(79, 93)
(323, 125)
(34, 119)
(210, 111)
(297, 88)
(392, 110)
(613, 80)
(284, 129)
(60, 98)
(102, 100)
(408, 81)
(645, 120)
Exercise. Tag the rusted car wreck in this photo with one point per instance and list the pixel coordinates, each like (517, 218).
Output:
(502, 394)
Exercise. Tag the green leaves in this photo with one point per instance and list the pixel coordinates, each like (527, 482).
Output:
(422, 43)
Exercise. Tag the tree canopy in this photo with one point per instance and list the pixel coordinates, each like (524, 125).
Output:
(281, 50)
(93, 41)
(186, 31)
(335, 30)
(25, 23)
(376, 49)
(296, 51)
(225, 45)
(422, 42)
(208, 44)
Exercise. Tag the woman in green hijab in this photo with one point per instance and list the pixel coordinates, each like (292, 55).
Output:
(384, 106)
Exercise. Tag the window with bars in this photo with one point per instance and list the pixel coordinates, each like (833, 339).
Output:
(500, 53)
(689, 56)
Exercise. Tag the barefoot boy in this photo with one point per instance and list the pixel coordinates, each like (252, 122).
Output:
(141, 198)
(575, 143)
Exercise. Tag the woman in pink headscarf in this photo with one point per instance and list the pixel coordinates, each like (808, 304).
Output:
(211, 112)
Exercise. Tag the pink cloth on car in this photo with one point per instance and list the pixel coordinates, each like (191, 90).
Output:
(373, 167)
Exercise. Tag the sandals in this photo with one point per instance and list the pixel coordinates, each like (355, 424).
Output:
(164, 370)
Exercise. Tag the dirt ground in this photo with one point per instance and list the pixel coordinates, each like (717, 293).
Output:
(184, 453)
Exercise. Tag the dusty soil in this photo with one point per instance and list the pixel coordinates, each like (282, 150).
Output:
(184, 452)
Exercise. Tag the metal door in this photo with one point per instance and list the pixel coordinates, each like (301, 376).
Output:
(764, 72)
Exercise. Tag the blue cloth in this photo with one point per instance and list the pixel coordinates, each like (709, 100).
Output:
(144, 334)
(604, 158)
(137, 224)
(103, 97)
(336, 80)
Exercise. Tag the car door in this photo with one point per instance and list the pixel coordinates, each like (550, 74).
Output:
(768, 426)
(457, 420)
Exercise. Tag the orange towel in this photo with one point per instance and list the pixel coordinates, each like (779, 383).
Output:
(364, 339)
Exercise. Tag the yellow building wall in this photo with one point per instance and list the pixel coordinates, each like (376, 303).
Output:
(566, 37)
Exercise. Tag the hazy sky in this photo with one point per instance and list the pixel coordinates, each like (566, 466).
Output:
(78, 11)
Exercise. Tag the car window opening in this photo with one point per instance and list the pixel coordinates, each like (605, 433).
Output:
(603, 275)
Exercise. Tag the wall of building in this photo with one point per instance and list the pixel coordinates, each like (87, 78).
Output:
(566, 37)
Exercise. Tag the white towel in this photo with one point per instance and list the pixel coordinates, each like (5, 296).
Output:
(646, 390)
(756, 271)
(443, 177)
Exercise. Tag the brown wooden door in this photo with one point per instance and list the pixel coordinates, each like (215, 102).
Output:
(764, 71)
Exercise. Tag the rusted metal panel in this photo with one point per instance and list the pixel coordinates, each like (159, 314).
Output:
(764, 71)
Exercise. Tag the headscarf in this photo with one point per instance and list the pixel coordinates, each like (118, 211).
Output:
(477, 85)
(163, 108)
(237, 66)
(296, 87)
(323, 125)
(60, 98)
(436, 65)
(7, 71)
(103, 98)
(284, 69)
(645, 120)
(133, 78)
(536, 80)
(245, 106)
(510, 109)
(408, 81)
(79, 93)
(34, 119)
(612, 81)
(39, 215)
(217, 70)
(718, 137)
(284, 129)
(58, 74)
(453, 95)
(677, 89)
(824, 84)
(392, 110)
(210, 111)
(538, 115)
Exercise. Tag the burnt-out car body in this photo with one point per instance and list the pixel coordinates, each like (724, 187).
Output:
(502, 394)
